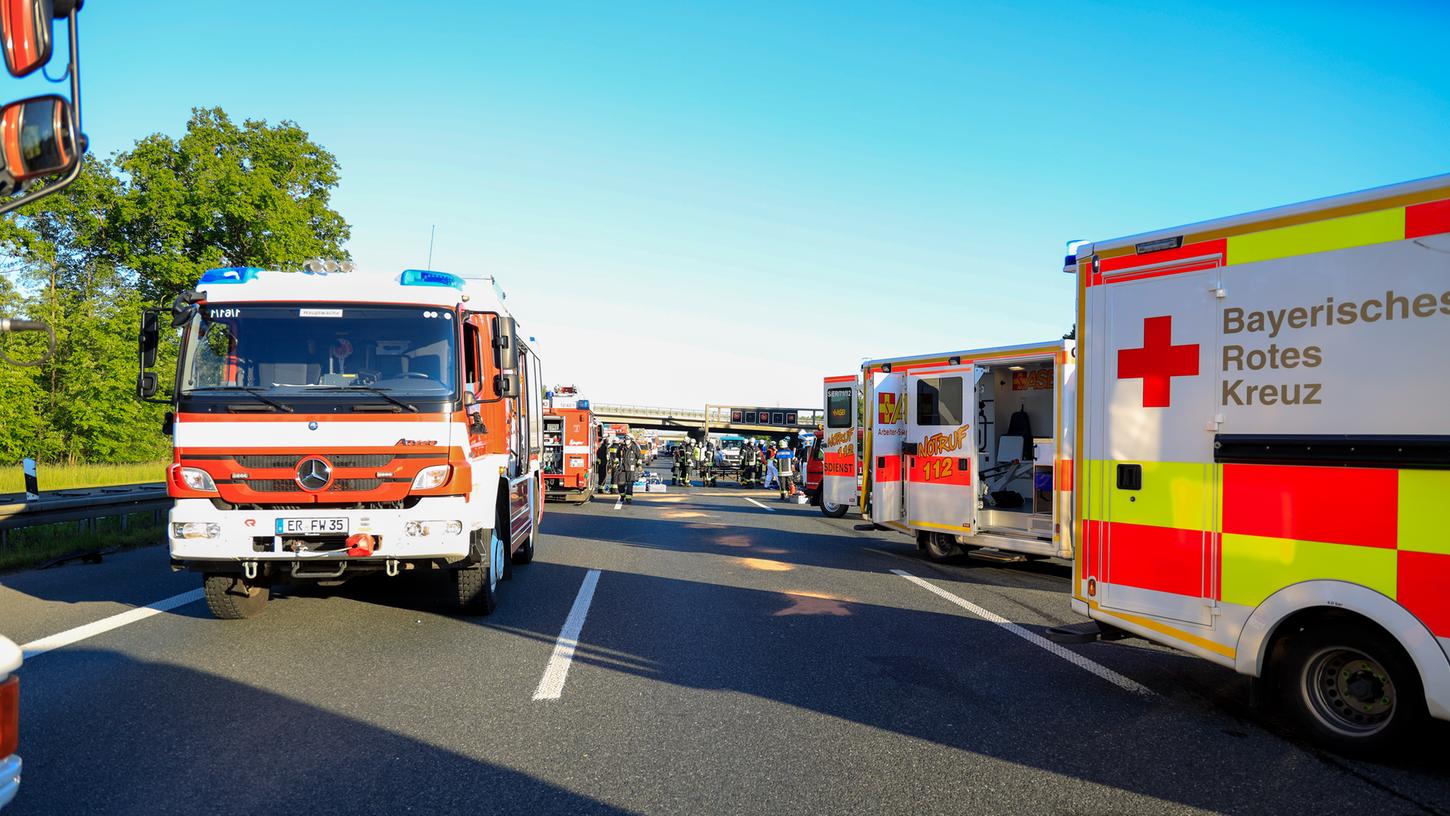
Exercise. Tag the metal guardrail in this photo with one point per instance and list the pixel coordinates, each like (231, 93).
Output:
(81, 505)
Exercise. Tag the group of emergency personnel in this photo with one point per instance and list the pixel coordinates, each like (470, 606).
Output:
(756, 460)
(618, 462)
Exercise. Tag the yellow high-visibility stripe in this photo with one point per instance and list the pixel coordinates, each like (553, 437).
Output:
(1169, 631)
(1318, 236)
(1424, 523)
(1174, 494)
(965, 528)
(1255, 567)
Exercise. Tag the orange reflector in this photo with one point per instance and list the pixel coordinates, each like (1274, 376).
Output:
(360, 544)
(9, 716)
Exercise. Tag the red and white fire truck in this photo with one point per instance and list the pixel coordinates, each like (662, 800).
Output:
(962, 449)
(571, 438)
(330, 423)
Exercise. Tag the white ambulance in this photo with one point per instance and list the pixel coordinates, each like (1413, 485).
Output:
(1265, 470)
(962, 450)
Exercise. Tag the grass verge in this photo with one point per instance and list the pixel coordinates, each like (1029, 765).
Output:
(67, 477)
(33, 546)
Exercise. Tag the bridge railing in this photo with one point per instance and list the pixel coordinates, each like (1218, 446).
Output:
(647, 411)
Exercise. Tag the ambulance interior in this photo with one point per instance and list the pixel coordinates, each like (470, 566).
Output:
(1016, 446)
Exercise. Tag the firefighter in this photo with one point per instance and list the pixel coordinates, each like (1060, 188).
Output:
(624, 474)
(707, 465)
(747, 462)
(611, 465)
(785, 467)
(682, 463)
(601, 463)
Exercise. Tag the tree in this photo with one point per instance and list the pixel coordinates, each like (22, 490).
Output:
(132, 231)
(223, 195)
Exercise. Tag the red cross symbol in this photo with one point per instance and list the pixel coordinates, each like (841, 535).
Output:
(1158, 361)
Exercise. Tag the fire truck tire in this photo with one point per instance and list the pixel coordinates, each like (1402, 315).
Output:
(1352, 689)
(231, 597)
(475, 586)
(939, 547)
(832, 510)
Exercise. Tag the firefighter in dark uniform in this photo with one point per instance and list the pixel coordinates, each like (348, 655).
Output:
(624, 473)
(601, 464)
(682, 463)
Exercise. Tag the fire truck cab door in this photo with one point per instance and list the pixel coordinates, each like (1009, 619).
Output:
(887, 433)
(838, 474)
(939, 451)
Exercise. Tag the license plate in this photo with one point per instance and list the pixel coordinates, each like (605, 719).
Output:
(311, 526)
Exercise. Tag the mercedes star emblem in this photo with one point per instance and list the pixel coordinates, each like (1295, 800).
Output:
(313, 474)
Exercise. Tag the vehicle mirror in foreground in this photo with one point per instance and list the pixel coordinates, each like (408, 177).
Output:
(27, 34)
(36, 137)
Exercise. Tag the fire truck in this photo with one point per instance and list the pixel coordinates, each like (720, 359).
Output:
(963, 450)
(329, 423)
(1266, 451)
(570, 439)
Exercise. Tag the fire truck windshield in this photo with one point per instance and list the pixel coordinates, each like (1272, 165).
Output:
(297, 350)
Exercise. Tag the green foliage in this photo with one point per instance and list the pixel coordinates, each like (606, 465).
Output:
(134, 231)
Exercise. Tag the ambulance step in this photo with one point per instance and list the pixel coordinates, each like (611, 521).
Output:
(1085, 633)
(999, 557)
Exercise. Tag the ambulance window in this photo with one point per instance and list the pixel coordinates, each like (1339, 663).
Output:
(939, 401)
(838, 408)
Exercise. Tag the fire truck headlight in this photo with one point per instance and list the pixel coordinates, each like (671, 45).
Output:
(431, 477)
(197, 479)
(195, 529)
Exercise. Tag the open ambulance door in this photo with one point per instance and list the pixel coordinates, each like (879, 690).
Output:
(838, 476)
(939, 450)
(888, 431)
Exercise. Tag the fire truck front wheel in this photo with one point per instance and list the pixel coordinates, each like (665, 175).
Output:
(1353, 689)
(229, 596)
(475, 586)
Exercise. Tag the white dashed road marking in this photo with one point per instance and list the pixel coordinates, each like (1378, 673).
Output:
(758, 504)
(69, 636)
(1036, 640)
(551, 685)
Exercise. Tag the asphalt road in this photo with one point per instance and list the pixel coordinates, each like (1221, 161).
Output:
(734, 659)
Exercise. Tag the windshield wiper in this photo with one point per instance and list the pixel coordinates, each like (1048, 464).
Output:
(407, 406)
(254, 392)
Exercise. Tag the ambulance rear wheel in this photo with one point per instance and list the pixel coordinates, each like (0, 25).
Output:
(939, 547)
(832, 510)
(1352, 689)
(231, 597)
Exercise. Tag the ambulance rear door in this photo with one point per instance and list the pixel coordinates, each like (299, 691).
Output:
(838, 447)
(939, 449)
(887, 433)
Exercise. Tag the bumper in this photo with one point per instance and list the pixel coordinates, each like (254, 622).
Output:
(246, 534)
(9, 779)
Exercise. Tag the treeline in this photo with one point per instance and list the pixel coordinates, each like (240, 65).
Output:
(133, 231)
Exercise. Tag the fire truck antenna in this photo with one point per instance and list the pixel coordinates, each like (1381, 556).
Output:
(432, 232)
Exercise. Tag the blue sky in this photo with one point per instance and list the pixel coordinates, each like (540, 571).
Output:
(694, 202)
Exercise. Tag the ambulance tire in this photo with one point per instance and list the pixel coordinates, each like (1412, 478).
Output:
(229, 596)
(832, 510)
(1323, 666)
(939, 547)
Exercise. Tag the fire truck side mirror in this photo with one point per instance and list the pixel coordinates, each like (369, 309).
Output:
(506, 384)
(148, 340)
(28, 33)
(36, 137)
(506, 343)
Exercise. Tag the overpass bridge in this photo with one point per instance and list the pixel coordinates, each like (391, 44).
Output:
(712, 418)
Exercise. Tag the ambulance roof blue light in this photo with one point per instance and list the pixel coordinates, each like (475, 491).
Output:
(230, 274)
(427, 277)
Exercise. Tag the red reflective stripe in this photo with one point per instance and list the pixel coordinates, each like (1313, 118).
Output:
(1062, 475)
(845, 378)
(1430, 218)
(840, 464)
(952, 470)
(1420, 587)
(1165, 559)
(1331, 504)
(888, 468)
(1112, 270)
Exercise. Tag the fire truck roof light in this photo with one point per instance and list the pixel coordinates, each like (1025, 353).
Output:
(427, 277)
(230, 274)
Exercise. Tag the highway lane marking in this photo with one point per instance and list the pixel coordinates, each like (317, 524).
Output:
(1033, 638)
(758, 504)
(69, 636)
(551, 685)
(619, 503)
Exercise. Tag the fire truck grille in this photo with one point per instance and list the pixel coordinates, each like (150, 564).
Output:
(344, 460)
(290, 486)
